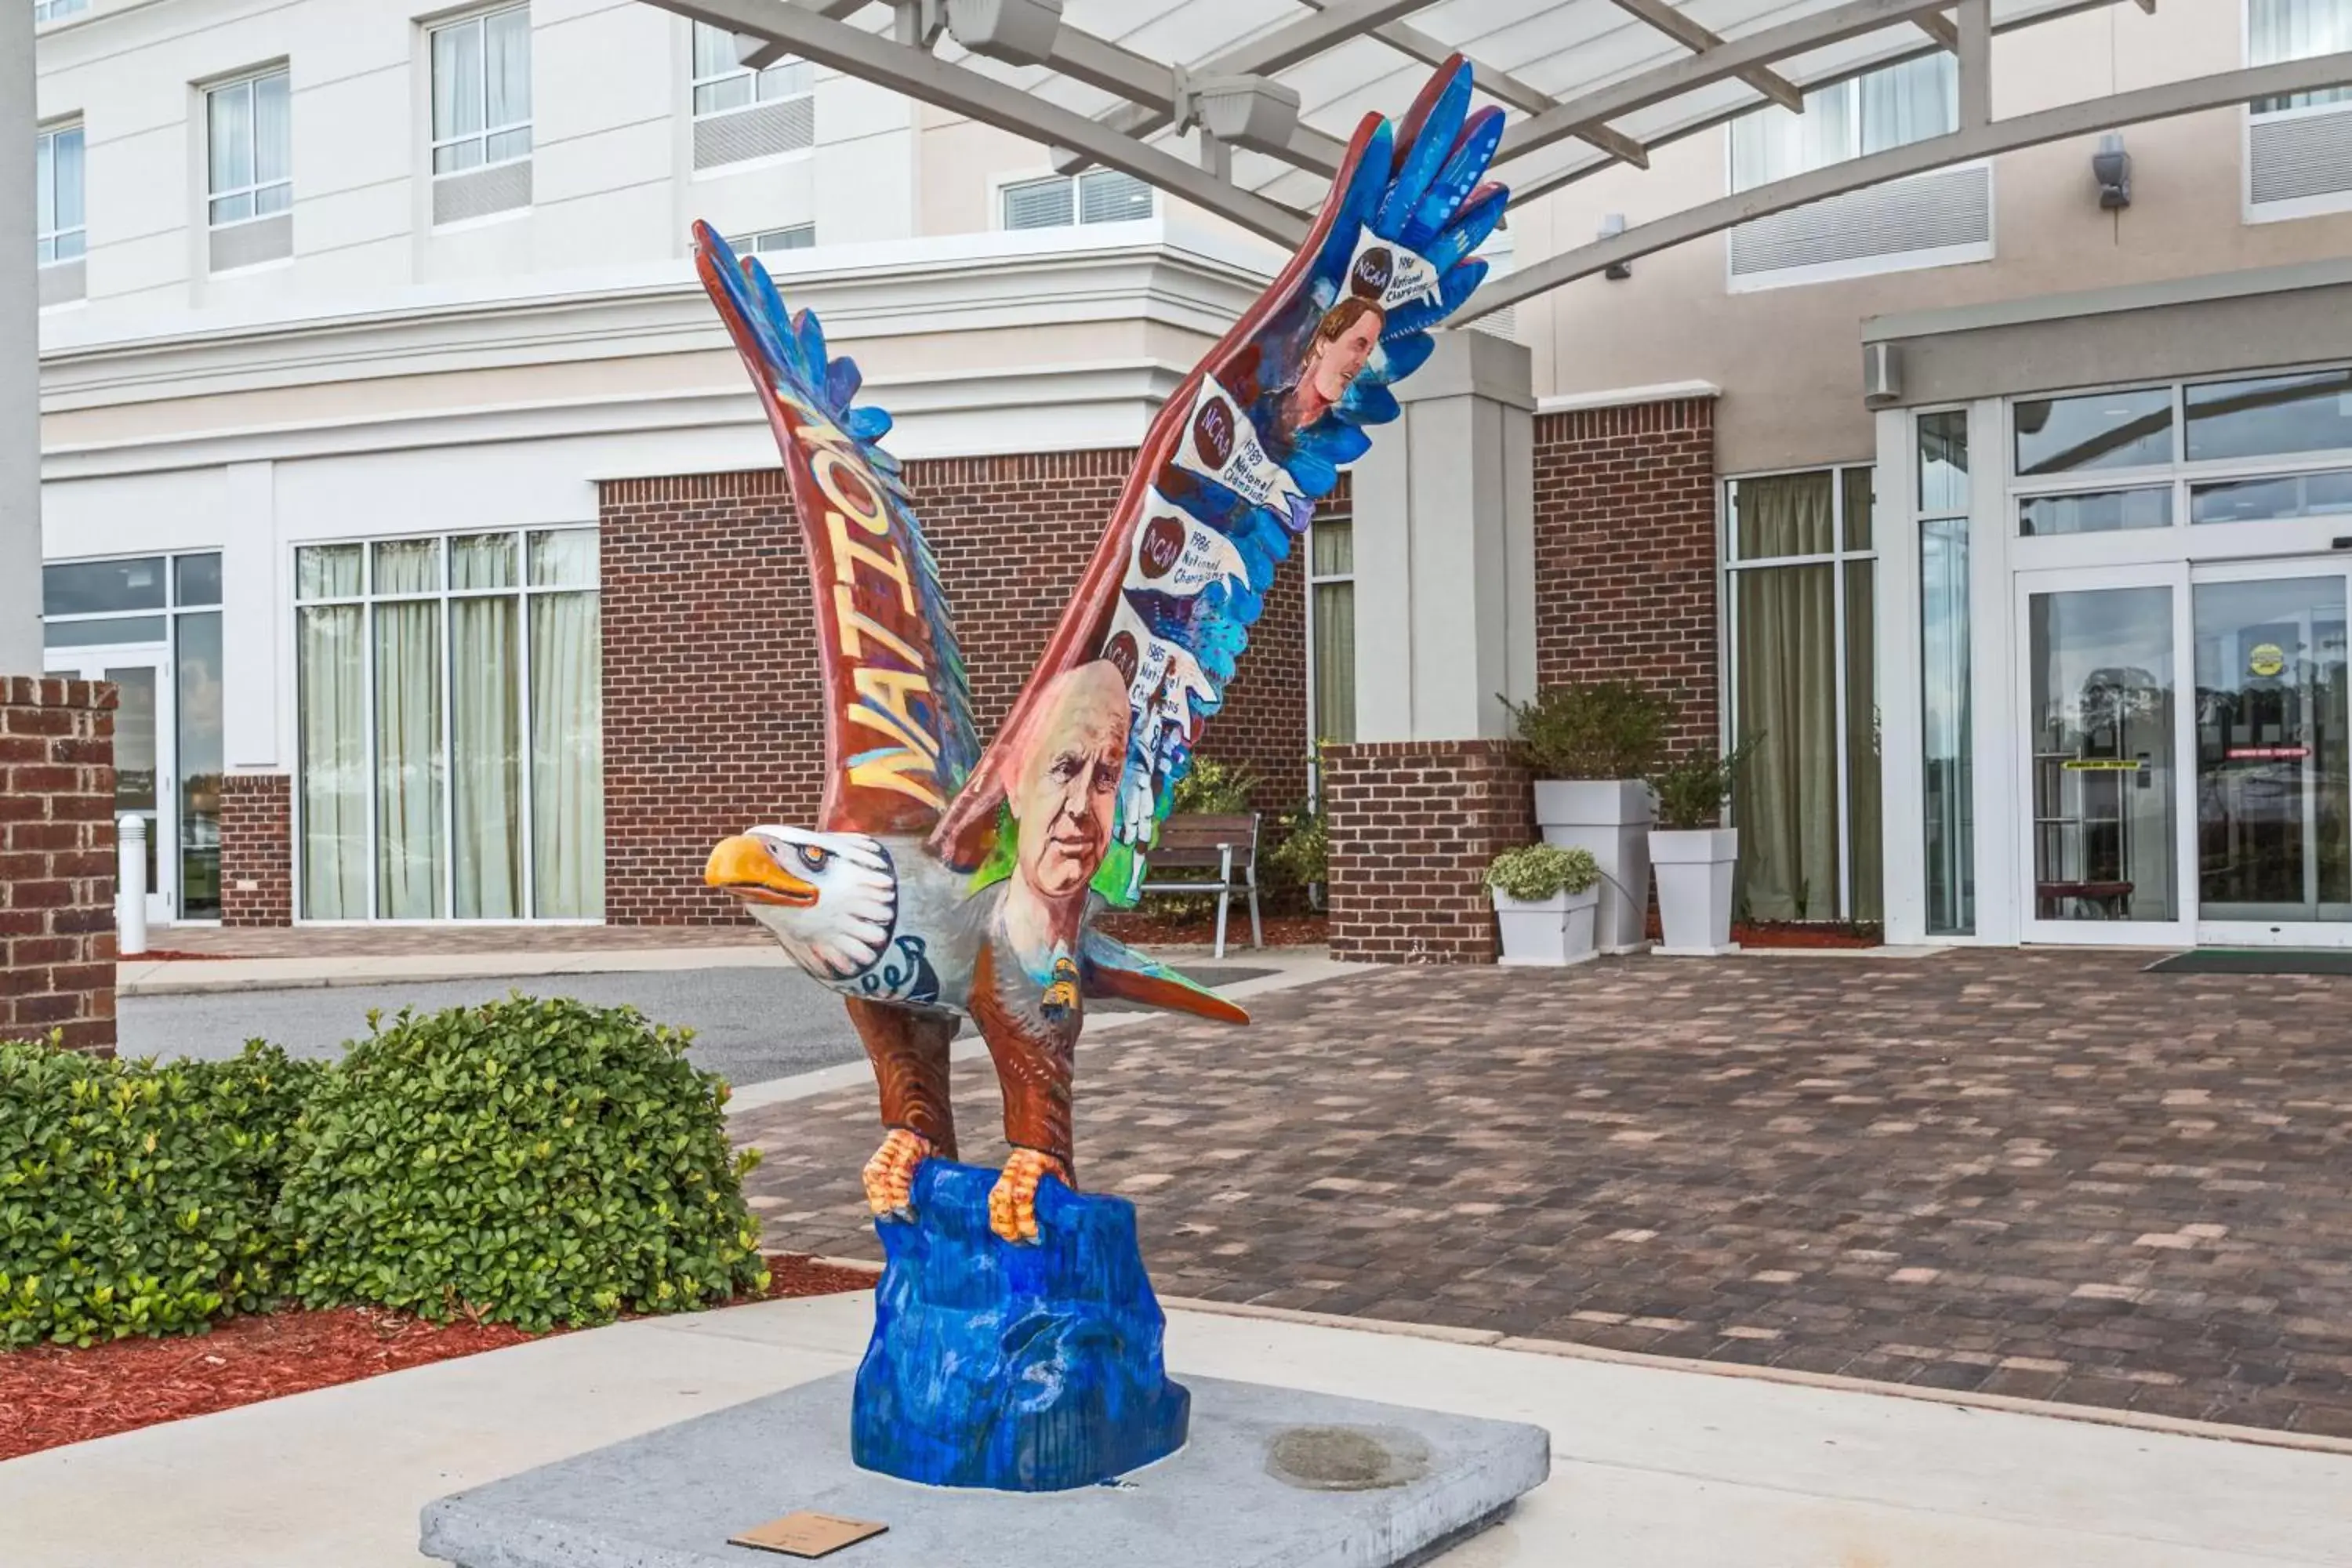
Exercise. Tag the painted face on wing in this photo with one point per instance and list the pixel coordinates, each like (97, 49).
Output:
(1339, 355)
(1065, 788)
(831, 899)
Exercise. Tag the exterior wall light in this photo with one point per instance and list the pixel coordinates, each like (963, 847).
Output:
(1611, 228)
(2111, 167)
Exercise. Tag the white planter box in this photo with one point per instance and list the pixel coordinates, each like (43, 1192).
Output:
(1694, 889)
(1610, 819)
(1551, 932)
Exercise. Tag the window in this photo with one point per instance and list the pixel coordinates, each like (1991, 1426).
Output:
(173, 600)
(450, 728)
(249, 134)
(481, 90)
(1802, 576)
(1331, 630)
(1099, 195)
(1931, 219)
(740, 114)
(50, 10)
(2278, 30)
(56, 194)
(1946, 710)
(768, 241)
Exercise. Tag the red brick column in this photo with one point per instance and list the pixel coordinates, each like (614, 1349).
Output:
(257, 844)
(1625, 551)
(1413, 824)
(713, 715)
(56, 868)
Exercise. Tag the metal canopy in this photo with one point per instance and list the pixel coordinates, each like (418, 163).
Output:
(1145, 86)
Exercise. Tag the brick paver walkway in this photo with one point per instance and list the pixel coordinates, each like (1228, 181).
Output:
(2043, 1175)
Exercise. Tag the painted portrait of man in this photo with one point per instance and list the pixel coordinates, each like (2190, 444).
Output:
(1338, 349)
(1064, 796)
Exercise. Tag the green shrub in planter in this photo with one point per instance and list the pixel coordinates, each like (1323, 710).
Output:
(527, 1162)
(137, 1198)
(1603, 730)
(1692, 788)
(1534, 872)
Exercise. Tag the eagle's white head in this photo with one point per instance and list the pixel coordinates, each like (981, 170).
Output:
(830, 898)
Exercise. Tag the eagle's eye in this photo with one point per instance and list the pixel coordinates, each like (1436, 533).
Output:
(812, 857)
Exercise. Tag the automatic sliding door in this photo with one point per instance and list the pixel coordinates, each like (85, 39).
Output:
(2273, 793)
(2101, 742)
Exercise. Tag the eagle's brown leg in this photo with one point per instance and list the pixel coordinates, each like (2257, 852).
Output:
(1033, 1068)
(910, 1052)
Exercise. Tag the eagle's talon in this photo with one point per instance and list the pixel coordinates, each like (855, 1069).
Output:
(890, 1173)
(1012, 1201)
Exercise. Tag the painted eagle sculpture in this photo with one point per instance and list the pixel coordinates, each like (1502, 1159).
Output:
(944, 882)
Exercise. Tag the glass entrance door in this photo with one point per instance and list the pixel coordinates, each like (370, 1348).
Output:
(2104, 755)
(2272, 789)
(144, 775)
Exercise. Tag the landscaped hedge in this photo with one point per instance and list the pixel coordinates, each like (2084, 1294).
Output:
(136, 1197)
(532, 1162)
(527, 1162)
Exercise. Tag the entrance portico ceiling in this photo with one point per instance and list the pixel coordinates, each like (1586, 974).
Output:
(1137, 85)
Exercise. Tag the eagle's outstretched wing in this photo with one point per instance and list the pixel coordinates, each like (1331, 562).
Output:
(898, 722)
(1232, 467)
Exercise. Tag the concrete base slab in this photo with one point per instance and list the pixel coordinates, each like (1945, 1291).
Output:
(1272, 1474)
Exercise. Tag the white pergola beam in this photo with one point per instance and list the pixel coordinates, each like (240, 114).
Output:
(1702, 40)
(1082, 56)
(1501, 85)
(1851, 20)
(20, 361)
(1937, 26)
(919, 74)
(2164, 101)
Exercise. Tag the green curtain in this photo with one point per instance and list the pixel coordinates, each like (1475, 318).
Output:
(1785, 701)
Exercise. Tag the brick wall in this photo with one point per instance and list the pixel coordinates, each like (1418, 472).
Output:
(256, 845)
(57, 861)
(712, 699)
(1625, 551)
(1414, 825)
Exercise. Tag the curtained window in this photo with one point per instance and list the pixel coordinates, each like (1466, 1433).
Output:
(1891, 107)
(451, 727)
(481, 90)
(1802, 575)
(1331, 629)
(2279, 30)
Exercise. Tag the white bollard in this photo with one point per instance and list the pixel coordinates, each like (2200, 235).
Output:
(131, 885)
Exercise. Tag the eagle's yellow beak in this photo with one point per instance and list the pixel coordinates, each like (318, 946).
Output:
(742, 866)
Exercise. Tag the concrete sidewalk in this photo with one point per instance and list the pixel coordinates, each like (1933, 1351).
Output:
(1653, 1467)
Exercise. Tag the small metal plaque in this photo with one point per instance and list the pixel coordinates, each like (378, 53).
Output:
(807, 1534)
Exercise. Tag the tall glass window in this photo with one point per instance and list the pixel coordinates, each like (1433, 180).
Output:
(173, 601)
(1803, 574)
(1331, 631)
(58, 234)
(481, 90)
(249, 143)
(451, 727)
(1947, 766)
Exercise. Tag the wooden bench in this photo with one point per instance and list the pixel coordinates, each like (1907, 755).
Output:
(1226, 847)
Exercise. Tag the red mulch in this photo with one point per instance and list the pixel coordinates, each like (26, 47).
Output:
(1148, 930)
(1792, 934)
(53, 1394)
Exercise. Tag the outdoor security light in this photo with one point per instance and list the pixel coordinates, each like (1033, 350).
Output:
(2111, 167)
(1248, 112)
(1018, 32)
(1611, 228)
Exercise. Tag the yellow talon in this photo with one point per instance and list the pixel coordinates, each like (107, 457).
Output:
(890, 1175)
(1012, 1201)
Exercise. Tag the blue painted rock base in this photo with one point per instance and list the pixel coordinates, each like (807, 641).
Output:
(1021, 1368)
